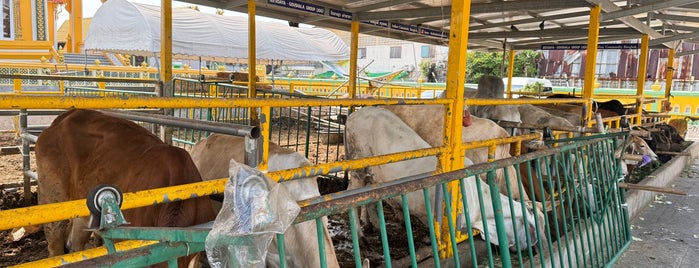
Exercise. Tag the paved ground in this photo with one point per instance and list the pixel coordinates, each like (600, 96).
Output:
(666, 233)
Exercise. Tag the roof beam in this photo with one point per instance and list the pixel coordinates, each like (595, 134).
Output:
(507, 6)
(676, 37)
(609, 6)
(693, 5)
(405, 13)
(675, 17)
(643, 9)
(230, 4)
(530, 20)
(686, 53)
(683, 28)
(560, 32)
(445, 11)
(379, 5)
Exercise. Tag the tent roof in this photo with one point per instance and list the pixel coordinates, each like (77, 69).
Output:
(131, 28)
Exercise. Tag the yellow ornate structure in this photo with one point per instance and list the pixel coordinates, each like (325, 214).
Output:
(28, 29)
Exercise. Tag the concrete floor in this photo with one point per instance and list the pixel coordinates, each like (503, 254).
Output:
(666, 232)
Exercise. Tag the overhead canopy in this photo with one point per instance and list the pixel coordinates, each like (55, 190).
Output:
(131, 28)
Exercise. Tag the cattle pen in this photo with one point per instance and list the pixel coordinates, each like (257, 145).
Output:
(482, 200)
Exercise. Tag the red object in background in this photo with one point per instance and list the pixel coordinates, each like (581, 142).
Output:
(466, 118)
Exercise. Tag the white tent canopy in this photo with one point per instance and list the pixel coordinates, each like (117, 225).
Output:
(120, 26)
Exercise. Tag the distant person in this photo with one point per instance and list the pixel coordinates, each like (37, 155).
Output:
(431, 73)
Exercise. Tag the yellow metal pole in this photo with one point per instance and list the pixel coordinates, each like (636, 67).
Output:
(591, 61)
(166, 62)
(510, 73)
(668, 76)
(252, 58)
(166, 45)
(85, 254)
(641, 77)
(453, 158)
(354, 46)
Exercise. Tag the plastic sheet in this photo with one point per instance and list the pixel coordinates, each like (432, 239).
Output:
(255, 208)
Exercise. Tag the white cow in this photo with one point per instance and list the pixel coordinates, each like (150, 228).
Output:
(376, 131)
(421, 119)
(212, 156)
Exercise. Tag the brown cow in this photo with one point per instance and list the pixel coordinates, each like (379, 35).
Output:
(212, 156)
(84, 148)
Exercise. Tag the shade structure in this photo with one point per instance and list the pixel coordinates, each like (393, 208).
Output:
(120, 26)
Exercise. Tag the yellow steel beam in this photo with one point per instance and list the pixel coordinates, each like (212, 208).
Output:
(456, 71)
(85, 254)
(591, 59)
(668, 75)
(166, 44)
(62, 102)
(41, 214)
(493, 142)
(453, 158)
(354, 46)
(510, 73)
(520, 101)
(641, 77)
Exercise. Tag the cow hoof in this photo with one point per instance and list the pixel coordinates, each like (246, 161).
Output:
(95, 196)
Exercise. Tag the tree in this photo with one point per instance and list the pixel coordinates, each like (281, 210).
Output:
(480, 63)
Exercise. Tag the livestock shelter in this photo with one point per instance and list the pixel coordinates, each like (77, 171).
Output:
(569, 210)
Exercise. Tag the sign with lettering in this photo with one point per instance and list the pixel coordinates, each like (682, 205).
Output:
(339, 14)
(380, 23)
(403, 27)
(584, 46)
(298, 5)
(434, 33)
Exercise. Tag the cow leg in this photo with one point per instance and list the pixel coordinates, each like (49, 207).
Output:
(56, 234)
(49, 192)
(78, 236)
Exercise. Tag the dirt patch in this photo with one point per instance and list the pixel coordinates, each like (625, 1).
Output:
(29, 248)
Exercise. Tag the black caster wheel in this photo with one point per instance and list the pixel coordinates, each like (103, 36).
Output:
(94, 196)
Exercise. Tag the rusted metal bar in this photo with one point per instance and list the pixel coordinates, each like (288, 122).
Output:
(578, 129)
(652, 188)
(674, 153)
(225, 128)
